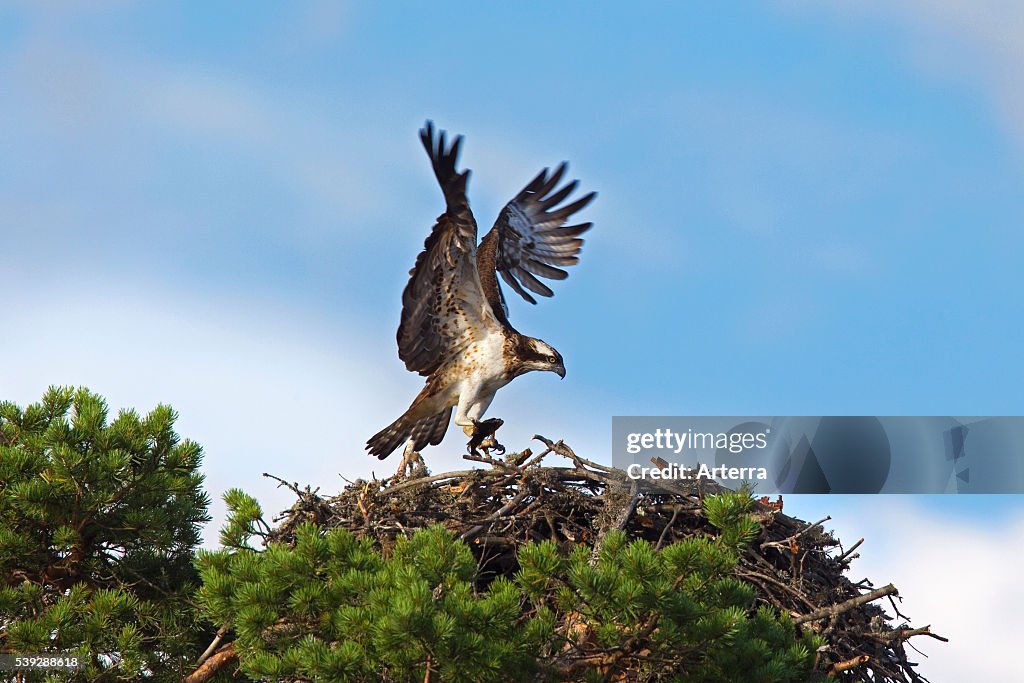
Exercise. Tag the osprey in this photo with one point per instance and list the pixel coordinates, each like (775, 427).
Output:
(454, 328)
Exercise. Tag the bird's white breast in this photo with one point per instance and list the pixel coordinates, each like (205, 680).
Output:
(484, 359)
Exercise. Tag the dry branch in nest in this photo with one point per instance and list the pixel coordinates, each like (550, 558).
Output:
(796, 567)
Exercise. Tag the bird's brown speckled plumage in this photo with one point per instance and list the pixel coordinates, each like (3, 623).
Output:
(454, 328)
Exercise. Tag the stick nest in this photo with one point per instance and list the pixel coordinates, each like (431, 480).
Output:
(796, 567)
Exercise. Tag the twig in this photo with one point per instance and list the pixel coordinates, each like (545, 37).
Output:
(563, 449)
(502, 511)
(212, 666)
(294, 487)
(835, 610)
(493, 462)
(848, 553)
(896, 609)
(212, 646)
(848, 664)
(422, 481)
(671, 521)
(535, 459)
(905, 633)
(790, 542)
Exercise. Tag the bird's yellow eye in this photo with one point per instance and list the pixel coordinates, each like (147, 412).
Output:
(552, 359)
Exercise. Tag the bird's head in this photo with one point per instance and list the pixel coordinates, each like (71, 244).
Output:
(534, 354)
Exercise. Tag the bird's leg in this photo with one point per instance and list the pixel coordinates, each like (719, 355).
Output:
(481, 435)
(412, 464)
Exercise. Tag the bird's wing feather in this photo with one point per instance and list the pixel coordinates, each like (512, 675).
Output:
(531, 238)
(443, 303)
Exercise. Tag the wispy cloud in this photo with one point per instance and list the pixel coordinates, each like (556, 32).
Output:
(955, 573)
(143, 166)
(112, 133)
(260, 387)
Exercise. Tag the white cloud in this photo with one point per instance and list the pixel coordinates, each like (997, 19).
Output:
(257, 388)
(960, 575)
(261, 389)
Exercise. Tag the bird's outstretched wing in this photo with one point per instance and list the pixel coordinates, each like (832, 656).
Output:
(530, 237)
(443, 303)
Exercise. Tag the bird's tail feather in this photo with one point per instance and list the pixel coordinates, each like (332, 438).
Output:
(423, 431)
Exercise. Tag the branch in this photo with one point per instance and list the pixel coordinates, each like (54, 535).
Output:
(835, 610)
(212, 666)
(502, 511)
(212, 646)
(661, 538)
(905, 633)
(563, 449)
(294, 487)
(429, 480)
(790, 542)
(849, 553)
(840, 667)
(493, 462)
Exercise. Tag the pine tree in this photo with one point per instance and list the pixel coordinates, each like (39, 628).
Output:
(99, 522)
(330, 607)
(99, 528)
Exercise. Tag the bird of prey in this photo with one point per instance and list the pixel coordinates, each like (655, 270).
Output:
(454, 328)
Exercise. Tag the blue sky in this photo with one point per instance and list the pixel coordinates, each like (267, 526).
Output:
(804, 208)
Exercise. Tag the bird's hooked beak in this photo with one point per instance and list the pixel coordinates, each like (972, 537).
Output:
(559, 370)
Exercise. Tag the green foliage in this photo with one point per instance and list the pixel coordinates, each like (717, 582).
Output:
(331, 608)
(99, 521)
(730, 515)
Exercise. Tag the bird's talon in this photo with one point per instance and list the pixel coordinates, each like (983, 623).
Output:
(483, 436)
(412, 465)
